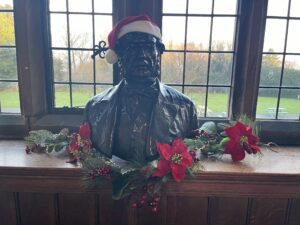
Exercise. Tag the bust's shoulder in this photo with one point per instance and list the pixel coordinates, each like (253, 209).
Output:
(174, 96)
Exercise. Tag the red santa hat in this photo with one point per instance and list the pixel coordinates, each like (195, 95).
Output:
(129, 24)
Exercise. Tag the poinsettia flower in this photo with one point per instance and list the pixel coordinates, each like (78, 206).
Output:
(175, 158)
(85, 131)
(241, 139)
(80, 143)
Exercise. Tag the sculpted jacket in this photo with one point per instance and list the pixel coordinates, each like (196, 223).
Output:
(174, 115)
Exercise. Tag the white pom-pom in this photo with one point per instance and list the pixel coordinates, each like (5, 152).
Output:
(111, 56)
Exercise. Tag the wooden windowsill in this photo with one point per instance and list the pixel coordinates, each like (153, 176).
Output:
(276, 174)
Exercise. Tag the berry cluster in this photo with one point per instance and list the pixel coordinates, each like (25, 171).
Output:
(102, 171)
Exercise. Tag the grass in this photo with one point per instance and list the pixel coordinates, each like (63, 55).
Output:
(217, 102)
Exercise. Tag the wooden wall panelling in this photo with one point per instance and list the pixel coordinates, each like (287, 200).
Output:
(77, 209)
(8, 209)
(112, 212)
(227, 210)
(293, 217)
(37, 209)
(268, 211)
(187, 210)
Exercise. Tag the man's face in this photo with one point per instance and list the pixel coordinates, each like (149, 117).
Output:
(139, 57)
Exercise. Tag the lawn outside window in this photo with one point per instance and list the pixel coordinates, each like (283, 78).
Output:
(221, 53)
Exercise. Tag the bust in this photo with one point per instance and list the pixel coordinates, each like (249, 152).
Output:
(127, 119)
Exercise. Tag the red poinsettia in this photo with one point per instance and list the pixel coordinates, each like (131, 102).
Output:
(80, 143)
(241, 139)
(175, 159)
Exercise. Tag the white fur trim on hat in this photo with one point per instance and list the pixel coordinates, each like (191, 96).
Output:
(111, 56)
(140, 26)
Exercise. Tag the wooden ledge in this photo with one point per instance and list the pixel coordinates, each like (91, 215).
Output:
(274, 174)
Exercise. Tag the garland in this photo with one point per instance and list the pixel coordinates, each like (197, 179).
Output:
(142, 182)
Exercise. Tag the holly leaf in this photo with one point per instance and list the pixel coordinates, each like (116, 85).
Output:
(118, 187)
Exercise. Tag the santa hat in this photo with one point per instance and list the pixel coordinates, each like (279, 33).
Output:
(129, 24)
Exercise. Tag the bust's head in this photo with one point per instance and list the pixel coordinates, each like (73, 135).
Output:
(135, 43)
(139, 56)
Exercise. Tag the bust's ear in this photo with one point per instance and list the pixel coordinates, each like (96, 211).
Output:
(161, 47)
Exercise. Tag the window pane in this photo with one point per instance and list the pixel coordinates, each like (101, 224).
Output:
(81, 94)
(9, 97)
(57, 5)
(267, 103)
(289, 107)
(223, 34)
(170, 7)
(103, 25)
(104, 72)
(291, 75)
(80, 6)
(6, 4)
(60, 65)
(196, 68)
(173, 38)
(172, 67)
(198, 33)
(7, 30)
(293, 37)
(200, 7)
(59, 37)
(295, 8)
(62, 95)
(103, 6)
(220, 68)
(101, 88)
(81, 31)
(217, 102)
(225, 7)
(8, 64)
(274, 35)
(81, 66)
(197, 94)
(270, 70)
(278, 7)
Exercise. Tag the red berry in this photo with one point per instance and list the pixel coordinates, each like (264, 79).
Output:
(154, 209)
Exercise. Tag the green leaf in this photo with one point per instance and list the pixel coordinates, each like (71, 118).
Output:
(209, 127)
(224, 142)
(118, 187)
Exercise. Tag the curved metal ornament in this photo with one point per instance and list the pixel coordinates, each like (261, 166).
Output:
(100, 50)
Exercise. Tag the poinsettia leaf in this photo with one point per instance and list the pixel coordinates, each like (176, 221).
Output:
(224, 142)
(189, 142)
(209, 127)
(49, 148)
(222, 126)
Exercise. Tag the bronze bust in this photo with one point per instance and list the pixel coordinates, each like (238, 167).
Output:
(127, 119)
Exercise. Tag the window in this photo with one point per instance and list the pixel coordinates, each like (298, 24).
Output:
(200, 52)
(9, 87)
(279, 90)
(75, 27)
(227, 57)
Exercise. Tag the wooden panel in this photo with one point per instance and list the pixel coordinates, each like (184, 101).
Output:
(77, 209)
(268, 211)
(294, 214)
(8, 212)
(224, 211)
(187, 210)
(115, 212)
(37, 208)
